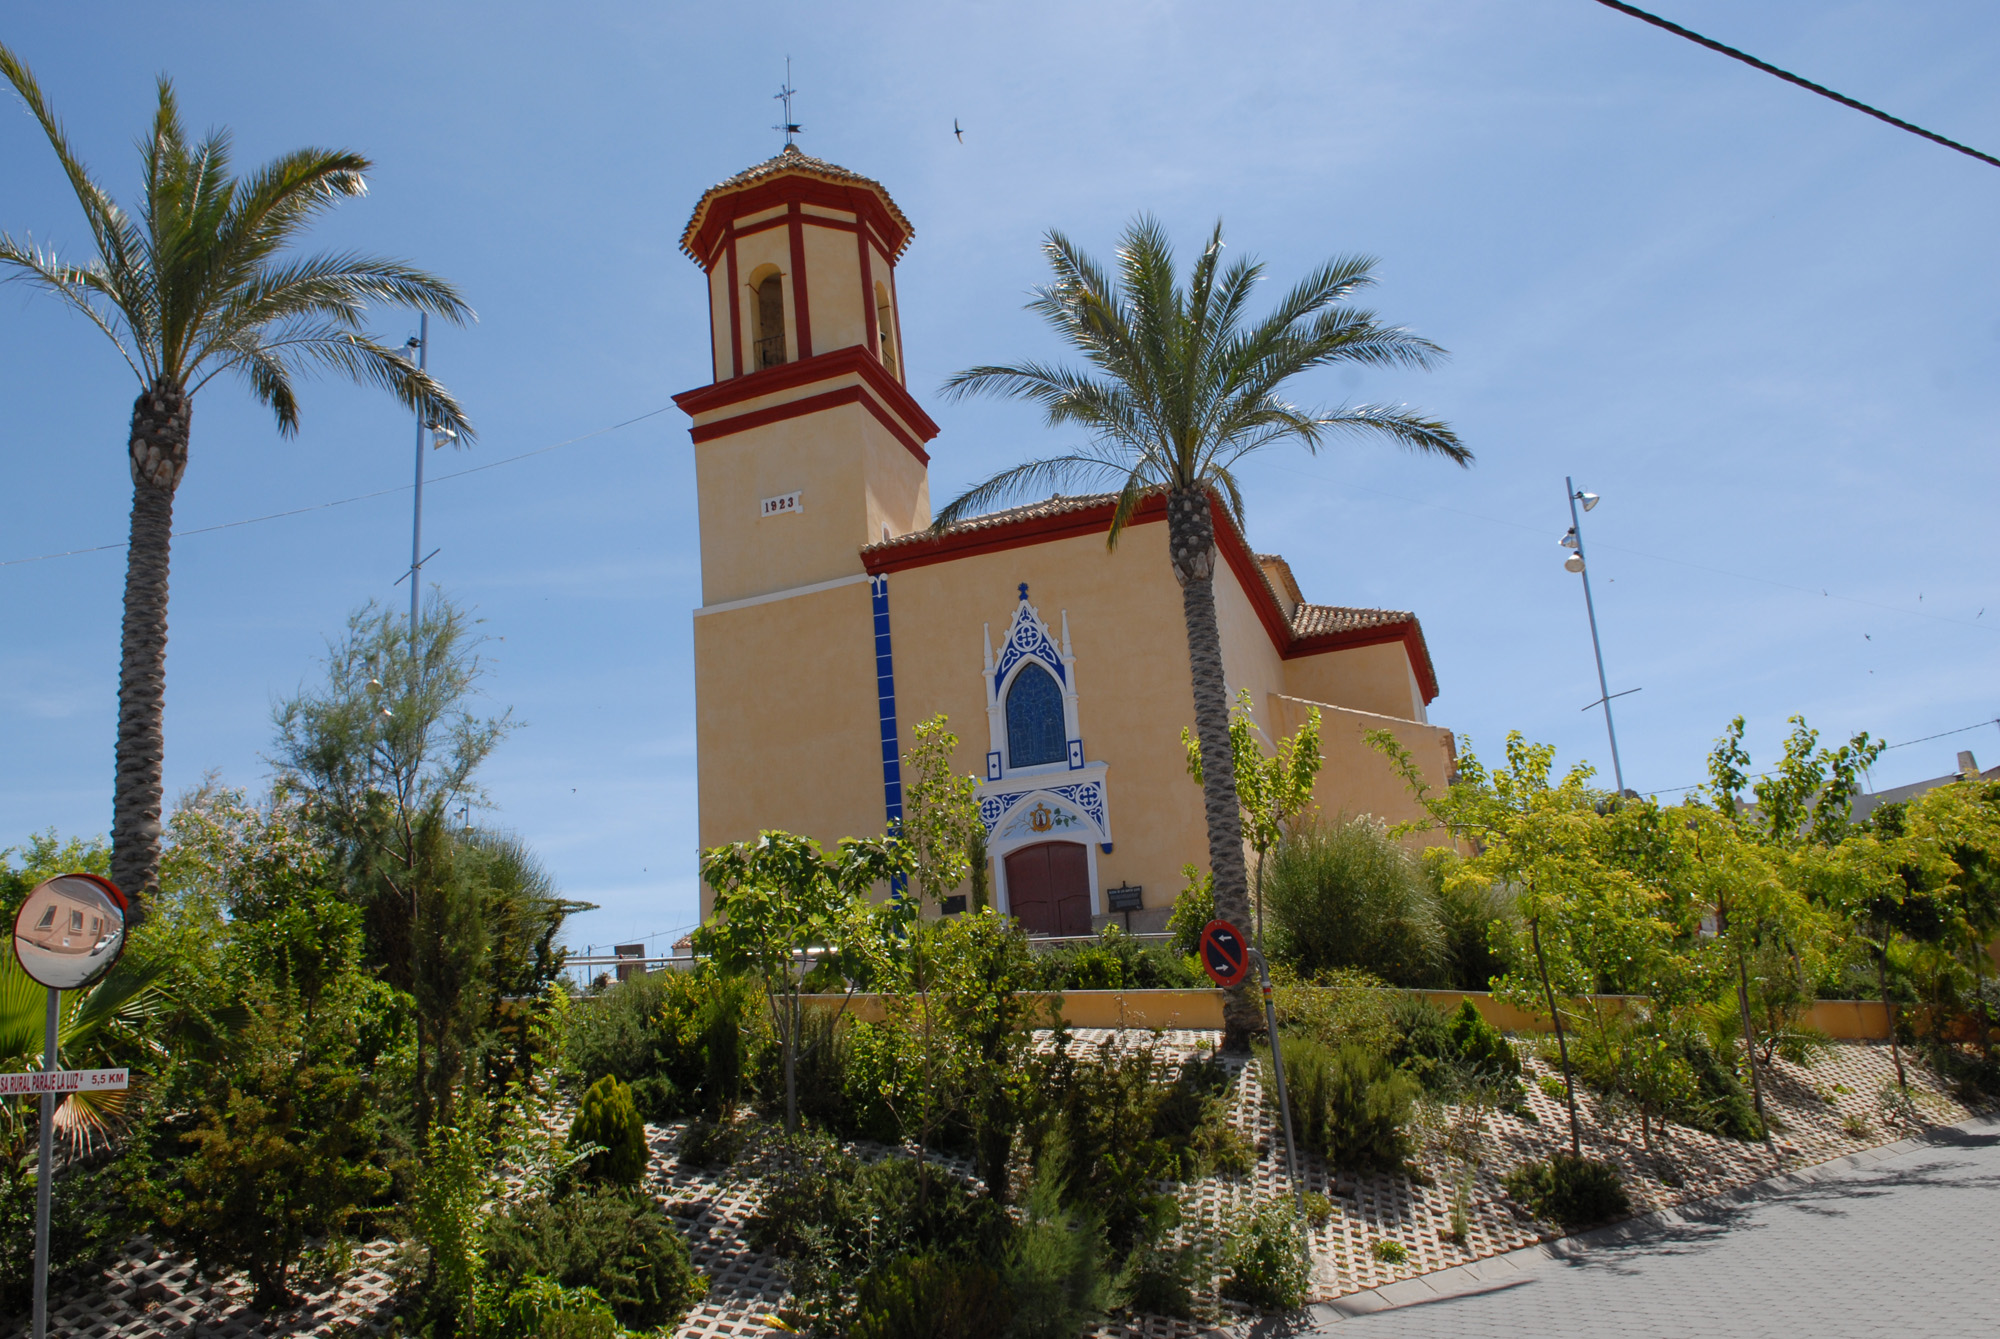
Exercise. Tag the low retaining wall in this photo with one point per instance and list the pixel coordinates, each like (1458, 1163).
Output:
(1843, 1020)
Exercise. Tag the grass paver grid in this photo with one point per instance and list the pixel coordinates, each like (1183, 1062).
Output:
(146, 1292)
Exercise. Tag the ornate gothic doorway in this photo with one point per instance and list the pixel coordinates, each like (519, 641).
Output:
(1048, 888)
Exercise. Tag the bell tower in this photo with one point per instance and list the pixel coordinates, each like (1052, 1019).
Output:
(807, 444)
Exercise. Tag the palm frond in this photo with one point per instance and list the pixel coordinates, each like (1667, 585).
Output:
(360, 358)
(73, 284)
(1034, 475)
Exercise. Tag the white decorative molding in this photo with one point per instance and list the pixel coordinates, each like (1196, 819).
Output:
(776, 595)
(1028, 640)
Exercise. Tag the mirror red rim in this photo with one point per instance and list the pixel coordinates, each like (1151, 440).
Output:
(110, 890)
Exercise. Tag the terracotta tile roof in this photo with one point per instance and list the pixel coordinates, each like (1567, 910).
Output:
(791, 160)
(1058, 505)
(1317, 620)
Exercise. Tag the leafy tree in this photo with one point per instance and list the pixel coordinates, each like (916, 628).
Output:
(390, 741)
(941, 828)
(43, 857)
(1271, 791)
(381, 760)
(1180, 387)
(981, 982)
(779, 901)
(200, 283)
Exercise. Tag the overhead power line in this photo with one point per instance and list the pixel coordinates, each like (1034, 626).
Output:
(358, 497)
(1791, 78)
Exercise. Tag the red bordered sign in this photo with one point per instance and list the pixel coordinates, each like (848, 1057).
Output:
(1225, 954)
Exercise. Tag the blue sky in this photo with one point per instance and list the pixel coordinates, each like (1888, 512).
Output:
(1761, 325)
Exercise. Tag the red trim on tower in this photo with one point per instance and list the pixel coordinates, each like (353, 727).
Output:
(811, 404)
(853, 358)
(735, 312)
(868, 294)
(801, 311)
(762, 225)
(786, 189)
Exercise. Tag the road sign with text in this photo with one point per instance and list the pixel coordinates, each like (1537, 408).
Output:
(64, 1081)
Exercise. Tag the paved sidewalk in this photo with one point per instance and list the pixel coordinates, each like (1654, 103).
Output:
(1898, 1241)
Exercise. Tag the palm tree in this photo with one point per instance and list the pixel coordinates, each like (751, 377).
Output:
(198, 284)
(1180, 387)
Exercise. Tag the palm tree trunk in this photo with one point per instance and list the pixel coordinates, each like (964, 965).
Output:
(158, 448)
(1191, 546)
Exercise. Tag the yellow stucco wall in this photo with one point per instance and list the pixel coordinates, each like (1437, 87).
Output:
(853, 478)
(788, 733)
(1367, 678)
(786, 724)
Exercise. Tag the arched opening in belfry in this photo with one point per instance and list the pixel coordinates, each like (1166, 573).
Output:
(771, 321)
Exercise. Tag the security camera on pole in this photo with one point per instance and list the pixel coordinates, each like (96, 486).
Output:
(68, 933)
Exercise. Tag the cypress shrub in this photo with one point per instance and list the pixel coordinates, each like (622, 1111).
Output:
(609, 1119)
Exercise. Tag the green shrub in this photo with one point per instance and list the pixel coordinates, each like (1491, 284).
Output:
(1349, 1105)
(681, 1039)
(928, 1296)
(88, 1217)
(1193, 910)
(1054, 1269)
(1484, 1047)
(609, 1119)
(1349, 895)
(1570, 1192)
(1425, 1049)
(1339, 1007)
(1266, 1261)
(825, 1054)
(1162, 1280)
(1115, 960)
(1389, 1252)
(1466, 913)
(1319, 1209)
(1094, 1128)
(1722, 1104)
(710, 1144)
(541, 1308)
(836, 1220)
(617, 1241)
(1192, 1116)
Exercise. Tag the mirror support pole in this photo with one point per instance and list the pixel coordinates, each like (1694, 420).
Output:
(44, 1177)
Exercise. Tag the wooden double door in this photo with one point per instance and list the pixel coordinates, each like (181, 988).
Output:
(1048, 888)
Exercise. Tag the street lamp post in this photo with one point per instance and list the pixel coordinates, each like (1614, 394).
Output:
(1575, 563)
(420, 345)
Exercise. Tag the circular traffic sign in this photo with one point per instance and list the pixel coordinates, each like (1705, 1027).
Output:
(1225, 954)
(69, 930)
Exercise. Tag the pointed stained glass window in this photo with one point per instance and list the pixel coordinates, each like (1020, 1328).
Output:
(1034, 718)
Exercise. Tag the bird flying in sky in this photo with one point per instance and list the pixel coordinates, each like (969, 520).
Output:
(956, 131)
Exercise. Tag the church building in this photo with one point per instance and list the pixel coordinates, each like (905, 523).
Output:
(834, 618)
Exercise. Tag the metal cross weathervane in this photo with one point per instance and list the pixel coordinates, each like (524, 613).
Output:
(784, 95)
